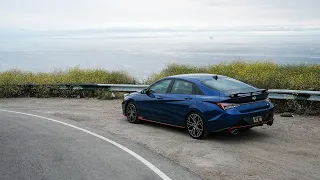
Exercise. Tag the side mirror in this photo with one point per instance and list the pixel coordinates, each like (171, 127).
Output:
(145, 91)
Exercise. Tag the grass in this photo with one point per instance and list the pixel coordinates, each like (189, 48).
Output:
(14, 83)
(72, 76)
(265, 75)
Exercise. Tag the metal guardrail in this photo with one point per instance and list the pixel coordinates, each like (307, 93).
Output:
(111, 87)
(294, 94)
(273, 93)
(124, 87)
(282, 94)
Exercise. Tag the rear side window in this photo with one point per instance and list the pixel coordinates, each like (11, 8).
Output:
(160, 87)
(182, 87)
(228, 85)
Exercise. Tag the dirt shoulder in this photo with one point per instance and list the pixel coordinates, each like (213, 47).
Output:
(290, 149)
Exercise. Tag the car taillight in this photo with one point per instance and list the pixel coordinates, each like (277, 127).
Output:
(226, 106)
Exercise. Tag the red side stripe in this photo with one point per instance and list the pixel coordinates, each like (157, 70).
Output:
(143, 119)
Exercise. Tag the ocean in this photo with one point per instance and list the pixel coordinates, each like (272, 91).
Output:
(144, 55)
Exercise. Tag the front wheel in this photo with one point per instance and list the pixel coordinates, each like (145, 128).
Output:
(131, 113)
(196, 126)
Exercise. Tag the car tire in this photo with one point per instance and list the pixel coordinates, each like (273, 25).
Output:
(196, 126)
(132, 113)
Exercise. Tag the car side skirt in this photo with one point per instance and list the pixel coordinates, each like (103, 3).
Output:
(143, 119)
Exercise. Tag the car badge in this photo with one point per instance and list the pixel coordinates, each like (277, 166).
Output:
(254, 98)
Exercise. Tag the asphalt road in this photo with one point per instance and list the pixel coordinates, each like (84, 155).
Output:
(289, 149)
(34, 148)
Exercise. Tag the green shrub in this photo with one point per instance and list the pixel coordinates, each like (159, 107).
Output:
(297, 106)
(16, 83)
(72, 76)
(265, 75)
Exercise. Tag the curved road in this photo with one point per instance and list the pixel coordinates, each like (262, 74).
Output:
(290, 149)
(35, 148)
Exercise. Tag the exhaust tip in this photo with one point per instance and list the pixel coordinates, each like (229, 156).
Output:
(234, 131)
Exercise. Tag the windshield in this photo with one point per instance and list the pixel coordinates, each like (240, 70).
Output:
(228, 85)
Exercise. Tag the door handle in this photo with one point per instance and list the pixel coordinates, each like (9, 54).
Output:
(159, 97)
(188, 98)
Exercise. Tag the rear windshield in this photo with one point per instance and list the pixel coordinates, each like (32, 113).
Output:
(229, 85)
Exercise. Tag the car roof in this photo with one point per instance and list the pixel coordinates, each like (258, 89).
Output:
(199, 77)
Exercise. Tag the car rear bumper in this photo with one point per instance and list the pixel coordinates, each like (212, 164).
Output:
(228, 129)
(231, 120)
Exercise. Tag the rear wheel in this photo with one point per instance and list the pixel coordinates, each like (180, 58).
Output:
(131, 113)
(196, 126)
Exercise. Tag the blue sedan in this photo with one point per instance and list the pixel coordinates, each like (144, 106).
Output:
(201, 103)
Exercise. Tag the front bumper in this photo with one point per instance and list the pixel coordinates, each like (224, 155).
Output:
(123, 105)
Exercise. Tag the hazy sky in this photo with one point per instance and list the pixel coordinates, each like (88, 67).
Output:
(87, 14)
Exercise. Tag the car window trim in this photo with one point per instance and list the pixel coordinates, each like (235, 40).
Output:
(170, 86)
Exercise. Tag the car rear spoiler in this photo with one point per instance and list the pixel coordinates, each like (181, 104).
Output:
(262, 91)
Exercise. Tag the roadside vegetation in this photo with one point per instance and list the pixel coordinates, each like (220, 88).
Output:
(266, 75)
(70, 76)
(16, 83)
